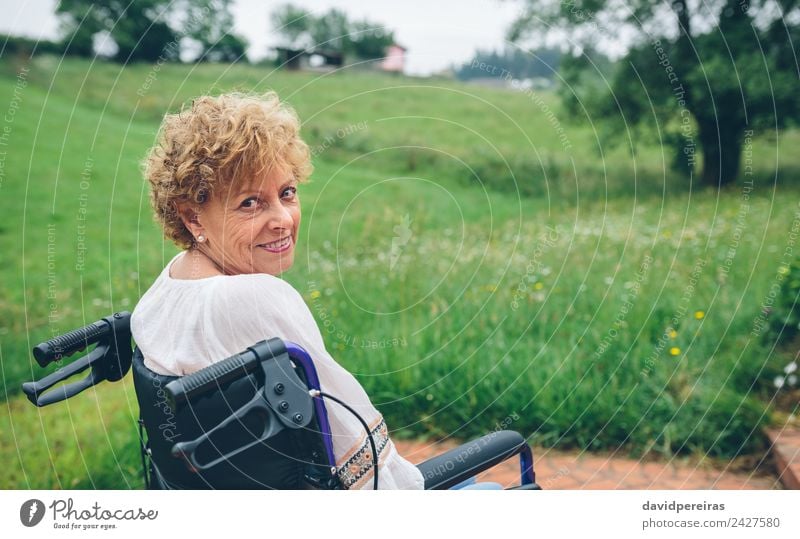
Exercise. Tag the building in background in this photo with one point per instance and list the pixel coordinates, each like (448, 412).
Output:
(394, 60)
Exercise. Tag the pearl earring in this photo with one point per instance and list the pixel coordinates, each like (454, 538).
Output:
(201, 238)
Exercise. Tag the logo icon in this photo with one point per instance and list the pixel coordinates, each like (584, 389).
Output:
(402, 235)
(31, 512)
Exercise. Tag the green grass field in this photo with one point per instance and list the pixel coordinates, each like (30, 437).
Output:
(591, 297)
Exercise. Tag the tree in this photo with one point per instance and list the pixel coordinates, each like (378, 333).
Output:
(710, 71)
(138, 28)
(513, 62)
(301, 29)
(78, 25)
(330, 31)
(292, 24)
(208, 23)
(368, 41)
(229, 48)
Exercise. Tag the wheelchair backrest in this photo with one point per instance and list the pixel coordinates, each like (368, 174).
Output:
(285, 461)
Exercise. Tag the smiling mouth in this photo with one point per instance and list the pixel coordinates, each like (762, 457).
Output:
(277, 246)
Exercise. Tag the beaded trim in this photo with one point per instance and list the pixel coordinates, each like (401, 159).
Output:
(358, 466)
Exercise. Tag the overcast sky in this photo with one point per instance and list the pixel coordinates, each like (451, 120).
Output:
(437, 33)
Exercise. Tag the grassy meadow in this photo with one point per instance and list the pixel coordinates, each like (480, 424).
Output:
(544, 280)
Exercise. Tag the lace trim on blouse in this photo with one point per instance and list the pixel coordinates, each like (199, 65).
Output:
(358, 466)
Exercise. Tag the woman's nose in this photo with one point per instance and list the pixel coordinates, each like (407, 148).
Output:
(280, 218)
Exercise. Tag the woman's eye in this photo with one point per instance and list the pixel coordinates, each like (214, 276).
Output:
(250, 203)
(290, 192)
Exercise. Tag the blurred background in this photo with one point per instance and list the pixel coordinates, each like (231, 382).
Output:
(574, 219)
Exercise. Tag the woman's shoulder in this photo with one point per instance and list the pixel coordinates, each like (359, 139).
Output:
(260, 294)
(184, 275)
(215, 292)
(254, 286)
(258, 306)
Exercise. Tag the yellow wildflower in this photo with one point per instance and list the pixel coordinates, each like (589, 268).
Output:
(673, 334)
(674, 351)
(538, 286)
(315, 294)
(699, 315)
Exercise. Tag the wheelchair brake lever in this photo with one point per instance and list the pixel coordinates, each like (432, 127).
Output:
(272, 426)
(37, 393)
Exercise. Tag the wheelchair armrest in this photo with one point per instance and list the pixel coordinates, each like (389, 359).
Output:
(467, 460)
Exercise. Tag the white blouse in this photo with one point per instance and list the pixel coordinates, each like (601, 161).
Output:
(183, 325)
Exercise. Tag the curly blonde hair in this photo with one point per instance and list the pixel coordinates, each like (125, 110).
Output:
(215, 142)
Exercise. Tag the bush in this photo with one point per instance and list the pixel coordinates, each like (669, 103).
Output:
(26, 46)
(785, 316)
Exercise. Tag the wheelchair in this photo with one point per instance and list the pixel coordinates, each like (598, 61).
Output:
(255, 420)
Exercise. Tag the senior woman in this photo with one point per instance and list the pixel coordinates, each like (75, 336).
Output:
(224, 179)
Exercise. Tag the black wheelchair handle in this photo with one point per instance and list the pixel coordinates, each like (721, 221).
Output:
(219, 374)
(78, 339)
(110, 360)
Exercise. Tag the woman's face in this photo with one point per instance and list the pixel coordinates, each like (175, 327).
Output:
(252, 226)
